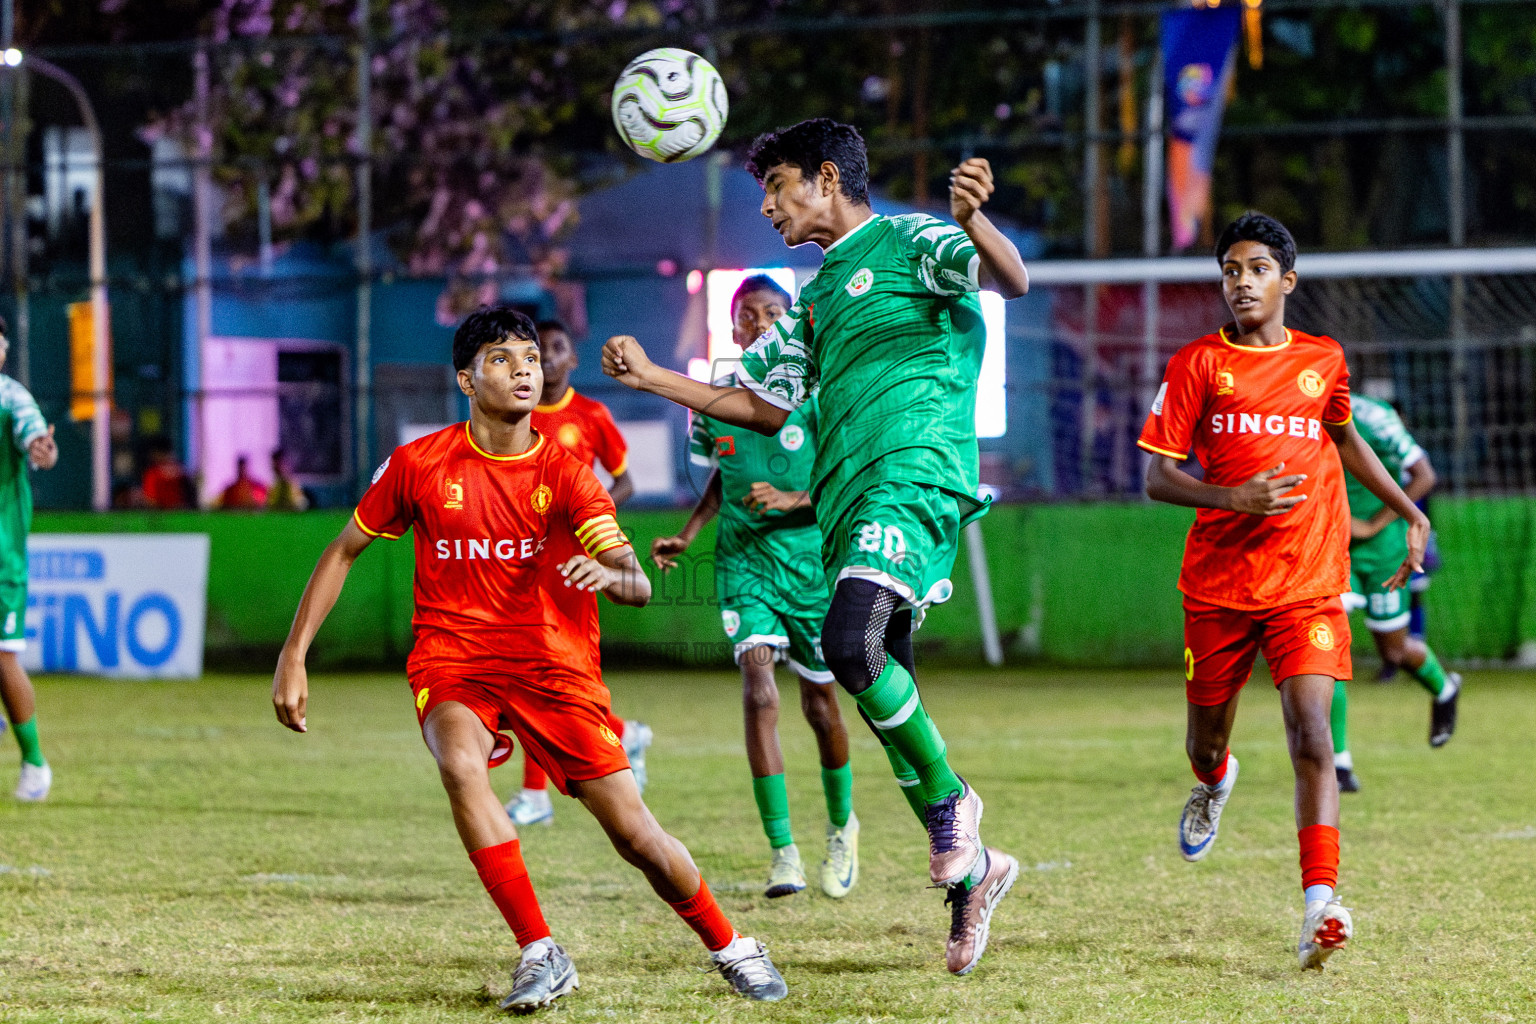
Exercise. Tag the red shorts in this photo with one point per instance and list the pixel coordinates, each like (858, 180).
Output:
(1305, 638)
(566, 734)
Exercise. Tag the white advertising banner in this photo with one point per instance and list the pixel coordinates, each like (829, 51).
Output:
(115, 604)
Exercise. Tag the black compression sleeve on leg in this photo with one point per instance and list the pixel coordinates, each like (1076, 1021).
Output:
(853, 636)
(898, 640)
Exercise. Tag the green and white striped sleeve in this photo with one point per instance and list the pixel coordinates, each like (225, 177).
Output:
(947, 263)
(27, 422)
(779, 367)
(701, 439)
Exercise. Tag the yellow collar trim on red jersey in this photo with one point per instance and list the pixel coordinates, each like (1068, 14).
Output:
(564, 400)
(1289, 337)
(503, 458)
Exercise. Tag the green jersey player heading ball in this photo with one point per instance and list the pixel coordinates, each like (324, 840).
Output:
(889, 334)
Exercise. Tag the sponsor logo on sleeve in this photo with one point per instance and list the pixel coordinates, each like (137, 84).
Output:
(380, 471)
(1157, 403)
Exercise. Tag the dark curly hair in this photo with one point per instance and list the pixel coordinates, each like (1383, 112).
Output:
(759, 283)
(810, 144)
(489, 324)
(1264, 229)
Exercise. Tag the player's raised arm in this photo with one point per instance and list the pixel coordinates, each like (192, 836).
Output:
(626, 362)
(290, 684)
(1002, 268)
(1364, 465)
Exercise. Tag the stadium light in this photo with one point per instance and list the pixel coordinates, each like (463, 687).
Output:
(101, 437)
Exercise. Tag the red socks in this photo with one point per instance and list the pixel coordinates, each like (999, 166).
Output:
(533, 775)
(1319, 856)
(1214, 778)
(505, 878)
(704, 916)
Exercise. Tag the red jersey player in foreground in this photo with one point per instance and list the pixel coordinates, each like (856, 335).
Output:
(585, 428)
(514, 540)
(1265, 410)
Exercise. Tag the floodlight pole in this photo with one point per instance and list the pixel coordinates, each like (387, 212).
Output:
(364, 253)
(1456, 215)
(101, 357)
(1151, 234)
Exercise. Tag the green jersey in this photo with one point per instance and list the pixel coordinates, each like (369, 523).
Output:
(890, 332)
(782, 548)
(1382, 429)
(21, 422)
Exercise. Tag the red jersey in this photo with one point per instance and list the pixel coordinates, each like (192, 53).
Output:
(586, 428)
(1242, 410)
(491, 533)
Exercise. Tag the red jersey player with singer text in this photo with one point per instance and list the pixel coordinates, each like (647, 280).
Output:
(585, 428)
(514, 539)
(1265, 411)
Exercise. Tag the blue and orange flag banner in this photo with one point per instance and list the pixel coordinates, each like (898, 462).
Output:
(1199, 59)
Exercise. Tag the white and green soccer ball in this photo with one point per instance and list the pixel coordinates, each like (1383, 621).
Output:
(669, 105)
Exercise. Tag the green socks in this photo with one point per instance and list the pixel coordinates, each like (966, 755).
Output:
(894, 707)
(773, 808)
(1429, 675)
(906, 778)
(1339, 717)
(837, 785)
(26, 736)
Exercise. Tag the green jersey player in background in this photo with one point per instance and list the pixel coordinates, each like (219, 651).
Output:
(28, 442)
(887, 330)
(773, 599)
(1377, 536)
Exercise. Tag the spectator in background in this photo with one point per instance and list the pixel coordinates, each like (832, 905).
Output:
(286, 494)
(166, 483)
(246, 492)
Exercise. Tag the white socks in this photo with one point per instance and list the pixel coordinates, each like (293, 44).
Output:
(739, 947)
(1314, 893)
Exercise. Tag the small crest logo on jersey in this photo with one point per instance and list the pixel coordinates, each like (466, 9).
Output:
(608, 734)
(1226, 384)
(792, 437)
(569, 435)
(380, 471)
(1311, 383)
(862, 281)
(541, 499)
(1321, 636)
(725, 445)
(731, 621)
(453, 492)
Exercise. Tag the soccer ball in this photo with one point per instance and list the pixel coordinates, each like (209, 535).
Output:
(669, 105)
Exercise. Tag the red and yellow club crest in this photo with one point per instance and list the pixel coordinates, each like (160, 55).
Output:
(1189, 665)
(541, 499)
(1321, 636)
(608, 735)
(1311, 383)
(1226, 384)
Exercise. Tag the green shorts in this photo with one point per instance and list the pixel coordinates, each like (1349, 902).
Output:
(751, 621)
(13, 617)
(902, 536)
(1371, 564)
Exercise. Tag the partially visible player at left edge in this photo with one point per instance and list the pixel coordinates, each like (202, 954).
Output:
(514, 540)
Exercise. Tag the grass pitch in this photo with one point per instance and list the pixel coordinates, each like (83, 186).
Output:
(196, 862)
